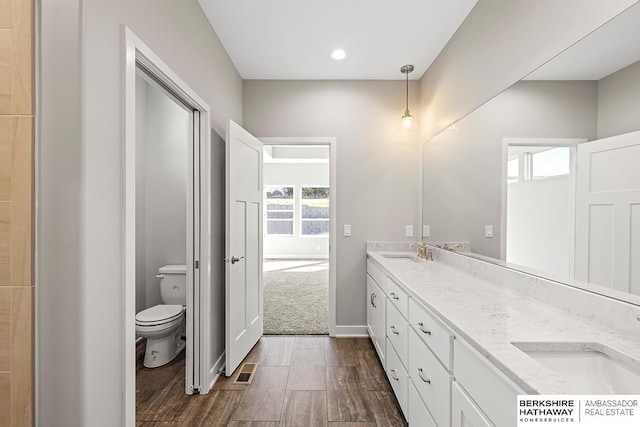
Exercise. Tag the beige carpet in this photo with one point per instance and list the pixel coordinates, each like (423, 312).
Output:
(296, 297)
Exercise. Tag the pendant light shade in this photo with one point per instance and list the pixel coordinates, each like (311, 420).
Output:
(408, 121)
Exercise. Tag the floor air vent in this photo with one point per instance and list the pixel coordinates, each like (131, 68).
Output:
(245, 375)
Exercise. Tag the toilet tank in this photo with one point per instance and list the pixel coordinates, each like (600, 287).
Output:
(173, 284)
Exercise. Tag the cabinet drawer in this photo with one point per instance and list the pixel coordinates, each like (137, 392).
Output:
(464, 412)
(431, 379)
(377, 274)
(439, 340)
(397, 332)
(477, 375)
(398, 378)
(418, 414)
(397, 296)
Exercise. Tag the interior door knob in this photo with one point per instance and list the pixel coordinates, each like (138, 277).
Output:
(235, 259)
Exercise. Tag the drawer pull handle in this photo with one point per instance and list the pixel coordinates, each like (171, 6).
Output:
(392, 373)
(394, 330)
(374, 297)
(422, 377)
(394, 296)
(422, 329)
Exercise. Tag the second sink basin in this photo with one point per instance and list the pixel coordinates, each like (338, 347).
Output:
(589, 368)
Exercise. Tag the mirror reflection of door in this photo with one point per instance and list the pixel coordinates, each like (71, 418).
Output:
(540, 189)
(608, 213)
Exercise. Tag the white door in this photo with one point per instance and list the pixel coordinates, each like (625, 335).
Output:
(243, 250)
(608, 212)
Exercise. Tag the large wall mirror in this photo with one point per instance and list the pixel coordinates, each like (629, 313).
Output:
(546, 175)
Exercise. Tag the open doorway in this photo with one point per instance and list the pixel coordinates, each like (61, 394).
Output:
(297, 268)
(539, 188)
(162, 178)
(166, 176)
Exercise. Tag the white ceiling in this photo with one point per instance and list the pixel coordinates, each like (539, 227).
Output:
(291, 39)
(613, 46)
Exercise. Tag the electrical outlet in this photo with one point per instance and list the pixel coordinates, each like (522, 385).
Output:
(488, 231)
(347, 230)
(408, 230)
(426, 230)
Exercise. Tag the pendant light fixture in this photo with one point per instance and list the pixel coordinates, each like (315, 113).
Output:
(408, 121)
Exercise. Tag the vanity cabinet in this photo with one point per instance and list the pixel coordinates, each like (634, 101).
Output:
(428, 371)
(477, 376)
(438, 379)
(418, 413)
(398, 377)
(464, 412)
(376, 310)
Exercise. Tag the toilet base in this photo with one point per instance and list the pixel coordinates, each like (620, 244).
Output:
(161, 351)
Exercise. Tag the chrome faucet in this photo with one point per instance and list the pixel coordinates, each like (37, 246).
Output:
(423, 251)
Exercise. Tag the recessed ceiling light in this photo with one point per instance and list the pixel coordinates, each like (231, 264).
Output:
(338, 54)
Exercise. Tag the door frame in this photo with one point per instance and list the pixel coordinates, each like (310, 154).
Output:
(331, 142)
(135, 52)
(541, 142)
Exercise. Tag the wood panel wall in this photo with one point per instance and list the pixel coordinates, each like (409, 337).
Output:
(16, 212)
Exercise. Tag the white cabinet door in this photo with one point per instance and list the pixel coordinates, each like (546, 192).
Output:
(419, 416)
(398, 378)
(464, 413)
(608, 212)
(381, 325)
(372, 320)
(243, 245)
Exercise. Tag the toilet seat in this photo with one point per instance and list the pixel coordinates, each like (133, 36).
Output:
(159, 315)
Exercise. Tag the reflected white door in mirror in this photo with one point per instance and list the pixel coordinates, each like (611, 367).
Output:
(589, 92)
(608, 213)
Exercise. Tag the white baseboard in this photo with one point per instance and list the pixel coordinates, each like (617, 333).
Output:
(214, 372)
(344, 331)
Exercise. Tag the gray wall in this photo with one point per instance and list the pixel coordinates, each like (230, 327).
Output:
(499, 43)
(162, 153)
(376, 165)
(619, 102)
(463, 167)
(80, 188)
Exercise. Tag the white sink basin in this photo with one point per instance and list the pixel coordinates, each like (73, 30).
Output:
(403, 257)
(589, 368)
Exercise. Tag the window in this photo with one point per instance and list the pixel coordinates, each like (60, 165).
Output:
(532, 163)
(314, 211)
(550, 162)
(513, 170)
(280, 209)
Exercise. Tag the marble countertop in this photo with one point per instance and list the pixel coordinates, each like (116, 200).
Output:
(492, 317)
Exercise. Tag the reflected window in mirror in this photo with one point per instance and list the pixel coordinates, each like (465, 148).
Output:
(538, 212)
(590, 94)
(550, 162)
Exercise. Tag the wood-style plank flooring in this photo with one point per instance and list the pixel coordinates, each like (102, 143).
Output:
(300, 381)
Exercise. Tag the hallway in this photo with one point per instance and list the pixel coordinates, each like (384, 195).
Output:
(300, 381)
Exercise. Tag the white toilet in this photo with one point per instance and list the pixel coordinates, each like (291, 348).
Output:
(163, 324)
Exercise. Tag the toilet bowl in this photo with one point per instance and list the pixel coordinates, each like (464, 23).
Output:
(162, 326)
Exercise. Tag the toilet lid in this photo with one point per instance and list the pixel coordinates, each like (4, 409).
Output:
(159, 313)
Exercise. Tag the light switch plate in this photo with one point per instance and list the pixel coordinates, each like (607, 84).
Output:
(488, 231)
(408, 230)
(347, 230)
(426, 230)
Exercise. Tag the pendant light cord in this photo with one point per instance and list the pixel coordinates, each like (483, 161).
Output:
(407, 109)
